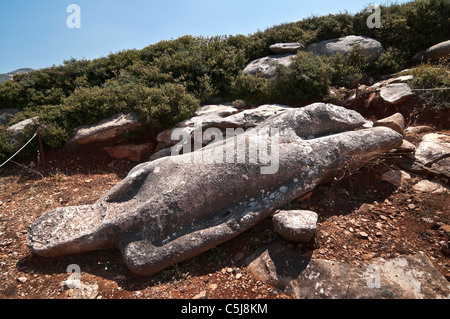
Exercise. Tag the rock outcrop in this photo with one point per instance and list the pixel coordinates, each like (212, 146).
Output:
(396, 93)
(220, 117)
(267, 66)
(106, 130)
(403, 277)
(436, 52)
(284, 48)
(434, 152)
(174, 208)
(17, 130)
(370, 48)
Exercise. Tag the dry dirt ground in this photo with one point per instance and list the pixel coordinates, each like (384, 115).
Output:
(396, 221)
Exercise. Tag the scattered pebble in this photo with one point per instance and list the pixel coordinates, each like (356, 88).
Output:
(364, 235)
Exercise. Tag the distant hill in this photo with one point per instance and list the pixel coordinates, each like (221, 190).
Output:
(8, 76)
(4, 78)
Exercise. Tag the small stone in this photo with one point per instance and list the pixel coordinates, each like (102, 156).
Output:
(213, 287)
(395, 122)
(201, 295)
(351, 230)
(396, 178)
(446, 228)
(297, 225)
(411, 206)
(22, 279)
(238, 276)
(378, 234)
(364, 235)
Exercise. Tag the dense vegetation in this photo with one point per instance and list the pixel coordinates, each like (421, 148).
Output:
(167, 81)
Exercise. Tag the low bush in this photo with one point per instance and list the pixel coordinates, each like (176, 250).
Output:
(432, 85)
(306, 78)
(253, 89)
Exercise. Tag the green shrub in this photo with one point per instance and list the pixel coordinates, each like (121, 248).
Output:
(391, 61)
(253, 89)
(306, 78)
(6, 149)
(166, 105)
(427, 81)
(348, 71)
(409, 27)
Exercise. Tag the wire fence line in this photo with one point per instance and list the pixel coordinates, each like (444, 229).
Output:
(435, 89)
(15, 154)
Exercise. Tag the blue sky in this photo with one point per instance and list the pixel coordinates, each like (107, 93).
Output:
(34, 33)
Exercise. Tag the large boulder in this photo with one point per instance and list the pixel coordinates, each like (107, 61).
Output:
(220, 117)
(436, 52)
(403, 277)
(372, 49)
(267, 66)
(296, 225)
(434, 152)
(106, 130)
(17, 130)
(396, 93)
(284, 48)
(174, 208)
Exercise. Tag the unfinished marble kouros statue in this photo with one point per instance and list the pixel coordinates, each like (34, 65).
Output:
(174, 208)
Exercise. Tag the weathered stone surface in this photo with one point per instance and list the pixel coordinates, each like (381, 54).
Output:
(371, 48)
(218, 110)
(396, 93)
(426, 186)
(395, 122)
(283, 48)
(205, 119)
(174, 208)
(107, 130)
(17, 129)
(298, 225)
(434, 152)
(412, 130)
(398, 79)
(404, 277)
(133, 152)
(406, 148)
(267, 66)
(396, 178)
(436, 52)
